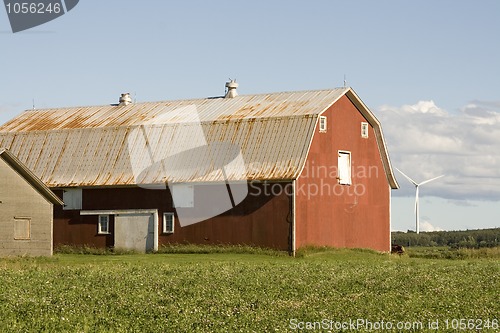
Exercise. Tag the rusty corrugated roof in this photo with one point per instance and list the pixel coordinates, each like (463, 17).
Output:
(284, 104)
(156, 142)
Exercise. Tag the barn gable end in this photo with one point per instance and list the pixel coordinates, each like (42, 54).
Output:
(332, 211)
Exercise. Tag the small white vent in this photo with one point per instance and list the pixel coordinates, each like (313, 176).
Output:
(125, 99)
(231, 89)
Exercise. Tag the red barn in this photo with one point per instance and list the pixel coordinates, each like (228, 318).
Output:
(280, 170)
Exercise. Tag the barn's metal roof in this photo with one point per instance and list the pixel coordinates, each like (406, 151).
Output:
(264, 136)
(285, 104)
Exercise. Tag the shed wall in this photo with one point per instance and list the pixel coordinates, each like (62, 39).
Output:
(19, 200)
(330, 214)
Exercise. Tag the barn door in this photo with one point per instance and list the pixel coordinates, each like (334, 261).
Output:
(134, 231)
(344, 168)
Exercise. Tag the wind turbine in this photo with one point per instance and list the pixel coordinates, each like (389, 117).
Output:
(417, 223)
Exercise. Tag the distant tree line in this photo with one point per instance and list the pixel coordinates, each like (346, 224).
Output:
(454, 239)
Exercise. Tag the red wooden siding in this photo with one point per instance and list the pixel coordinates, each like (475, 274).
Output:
(356, 215)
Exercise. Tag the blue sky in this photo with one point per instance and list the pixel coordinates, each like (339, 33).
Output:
(429, 70)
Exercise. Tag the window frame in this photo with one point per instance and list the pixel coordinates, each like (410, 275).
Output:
(364, 130)
(323, 124)
(17, 220)
(164, 228)
(100, 229)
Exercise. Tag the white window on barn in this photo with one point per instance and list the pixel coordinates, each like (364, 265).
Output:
(168, 223)
(103, 225)
(22, 228)
(344, 168)
(364, 130)
(322, 124)
(72, 198)
(183, 195)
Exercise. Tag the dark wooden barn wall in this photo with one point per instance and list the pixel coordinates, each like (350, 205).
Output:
(262, 220)
(354, 216)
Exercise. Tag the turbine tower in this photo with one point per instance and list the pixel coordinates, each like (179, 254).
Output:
(417, 222)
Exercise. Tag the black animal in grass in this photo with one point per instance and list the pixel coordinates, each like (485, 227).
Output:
(397, 249)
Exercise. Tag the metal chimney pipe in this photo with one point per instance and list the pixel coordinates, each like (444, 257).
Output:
(125, 99)
(231, 89)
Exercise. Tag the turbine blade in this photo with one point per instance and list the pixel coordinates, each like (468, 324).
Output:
(409, 179)
(430, 180)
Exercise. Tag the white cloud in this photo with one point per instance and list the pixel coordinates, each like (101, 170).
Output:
(483, 112)
(423, 107)
(427, 226)
(425, 141)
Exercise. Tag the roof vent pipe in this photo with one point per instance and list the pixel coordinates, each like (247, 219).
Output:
(231, 89)
(125, 99)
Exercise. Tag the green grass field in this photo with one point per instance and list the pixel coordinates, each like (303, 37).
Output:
(258, 292)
